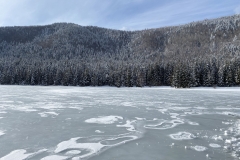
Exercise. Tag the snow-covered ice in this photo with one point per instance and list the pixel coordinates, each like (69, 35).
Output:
(19, 154)
(55, 157)
(164, 124)
(1, 133)
(73, 152)
(129, 125)
(46, 114)
(104, 119)
(142, 121)
(193, 123)
(3, 112)
(98, 131)
(199, 148)
(93, 148)
(213, 145)
(182, 136)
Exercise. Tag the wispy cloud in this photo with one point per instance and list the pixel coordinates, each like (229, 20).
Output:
(118, 14)
(180, 12)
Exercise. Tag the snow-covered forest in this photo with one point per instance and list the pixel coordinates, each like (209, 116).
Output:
(205, 53)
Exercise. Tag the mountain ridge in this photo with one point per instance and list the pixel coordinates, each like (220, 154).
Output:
(105, 53)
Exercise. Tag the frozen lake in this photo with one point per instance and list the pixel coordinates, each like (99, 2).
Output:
(105, 123)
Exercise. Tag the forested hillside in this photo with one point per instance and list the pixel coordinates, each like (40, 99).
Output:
(205, 53)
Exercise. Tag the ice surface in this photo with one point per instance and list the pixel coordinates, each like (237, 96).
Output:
(231, 113)
(191, 114)
(217, 89)
(199, 148)
(104, 119)
(182, 136)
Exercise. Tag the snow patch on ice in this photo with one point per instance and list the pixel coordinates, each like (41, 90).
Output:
(98, 131)
(174, 115)
(217, 138)
(129, 125)
(193, 123)
(164, 124)
(227, 123)
(104, 119)
(127, 104)
(2, 112)
(232, 141)
(24, 109)
(182, 136)
(54, 157)
(231, 114)
(17, 154)
(1, 133)
(213, 145)
(7, 101)
(46, 114)
(86, 147)
(199, 148)
(72, 144)
(73, 152)
(138, 118)
(111, 142)
(193, 113)
(21, 154)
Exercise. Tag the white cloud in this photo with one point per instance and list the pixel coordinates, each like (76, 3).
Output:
(237, 10)
(123, 28)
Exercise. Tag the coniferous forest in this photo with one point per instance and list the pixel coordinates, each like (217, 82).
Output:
(205, 53)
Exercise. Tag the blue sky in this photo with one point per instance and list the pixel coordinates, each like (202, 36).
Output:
(116, 14)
